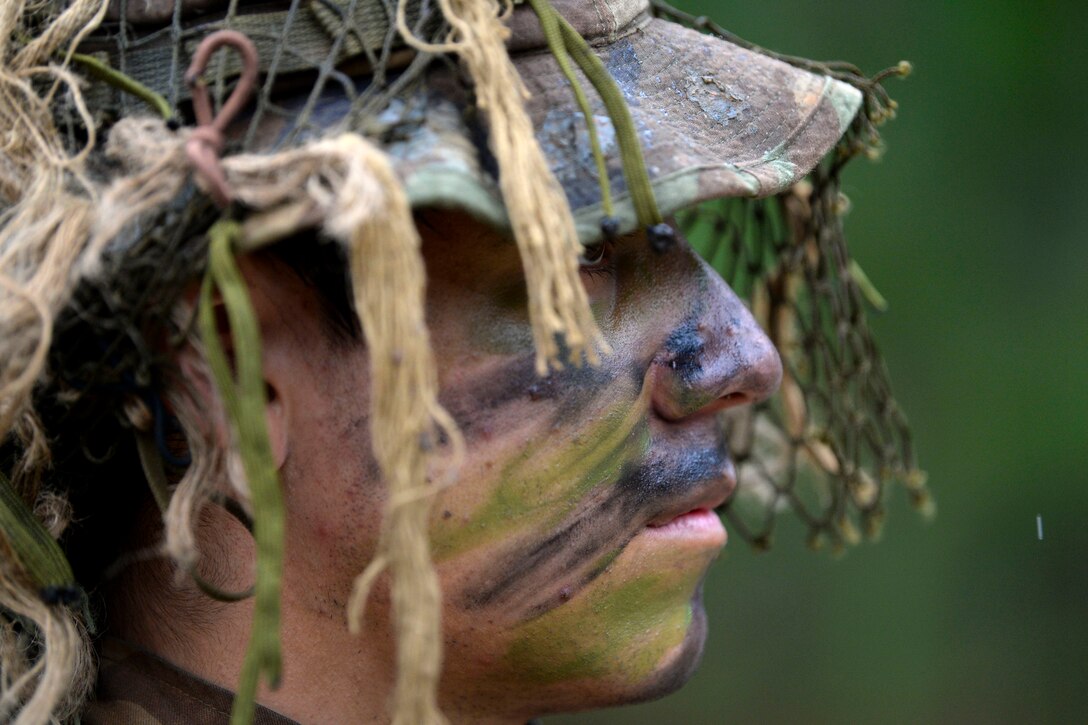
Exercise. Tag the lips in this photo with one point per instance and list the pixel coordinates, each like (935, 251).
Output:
(702, 500)
(700, 523)
(659, 509)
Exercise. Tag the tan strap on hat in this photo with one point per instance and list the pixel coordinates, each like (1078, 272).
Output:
(314, 40)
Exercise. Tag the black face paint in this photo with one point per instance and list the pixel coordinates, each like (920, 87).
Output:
(644, 491)
(686, 347)
(515, 381)
(655, 477)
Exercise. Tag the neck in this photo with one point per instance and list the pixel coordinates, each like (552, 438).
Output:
(329, 675)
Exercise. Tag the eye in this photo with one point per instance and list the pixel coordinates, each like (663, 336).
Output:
(594, 255)
(598, 259)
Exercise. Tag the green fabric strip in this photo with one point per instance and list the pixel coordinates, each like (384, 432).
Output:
(868, 289)
(39, 554)
(243, 396)
(553, 33)
(101, 70)
(634, 166)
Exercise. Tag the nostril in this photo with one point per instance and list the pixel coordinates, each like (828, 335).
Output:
(711, 362)
(676, 399)
(732, 400)
(724, 402)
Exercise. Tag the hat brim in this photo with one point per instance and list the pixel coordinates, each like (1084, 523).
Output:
(715, 120)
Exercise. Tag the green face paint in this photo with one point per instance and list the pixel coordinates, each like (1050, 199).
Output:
(624, 632)
(547, 481)
(559, 540)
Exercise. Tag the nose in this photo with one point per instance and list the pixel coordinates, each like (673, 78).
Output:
(717, 357)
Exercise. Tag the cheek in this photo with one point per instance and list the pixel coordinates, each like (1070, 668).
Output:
(332, 487)
(554, 483)
(538, 449)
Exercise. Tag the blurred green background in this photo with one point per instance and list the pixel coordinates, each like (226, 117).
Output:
(973, 226)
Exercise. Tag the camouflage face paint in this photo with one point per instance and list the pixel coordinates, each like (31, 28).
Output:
(620, 629)
(558, 547)
(547, 480)
(596, 531)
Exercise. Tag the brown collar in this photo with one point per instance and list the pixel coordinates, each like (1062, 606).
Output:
(137, 688)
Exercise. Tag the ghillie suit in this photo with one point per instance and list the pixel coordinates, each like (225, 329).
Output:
(120, 183)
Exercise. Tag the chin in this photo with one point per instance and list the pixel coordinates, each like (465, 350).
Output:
(673, 672)
(680, 664)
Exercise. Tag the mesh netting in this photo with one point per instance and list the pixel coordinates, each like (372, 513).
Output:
(134, 64)
(827, 445)
(824, 447)
(307, 49)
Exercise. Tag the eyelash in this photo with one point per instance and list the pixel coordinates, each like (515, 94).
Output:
(603, 266)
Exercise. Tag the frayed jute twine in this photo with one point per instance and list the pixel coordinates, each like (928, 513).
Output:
(61, 678)
(539, 212)
(206, 469)
(58, 222)
(34, 578)
(350, 185)
(407, 425)
(48, 207)
(32, 148)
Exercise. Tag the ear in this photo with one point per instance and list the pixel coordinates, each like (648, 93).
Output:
(276, 374)
(278, 423)
(278, 349)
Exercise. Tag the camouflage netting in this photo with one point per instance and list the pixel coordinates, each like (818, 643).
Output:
(825, 447)
(332, 43)
(825, 454)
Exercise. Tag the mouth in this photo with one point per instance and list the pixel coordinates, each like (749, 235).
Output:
(699, 525)
(657, 515)
(694, 517)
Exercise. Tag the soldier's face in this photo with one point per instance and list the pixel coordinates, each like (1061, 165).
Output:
(573, 546)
